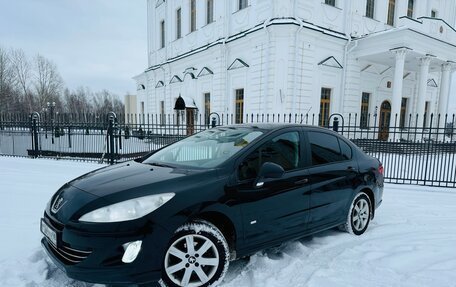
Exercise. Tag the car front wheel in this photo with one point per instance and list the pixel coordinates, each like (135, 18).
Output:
(198, 256)
(359, 214)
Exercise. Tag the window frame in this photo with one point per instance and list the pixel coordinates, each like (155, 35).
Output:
(303, 155)
(162, 34)
(403, 113)
(239, 118)
(193, 16)
(410, 8)
(162, 113)
(178, 23)
(209, 11)
(364, 112)
(427, 114)
(207, 107)
(309, 148)
(242, 4)
(391, 13)
(323, 119)
(370, 9)
(330, 3)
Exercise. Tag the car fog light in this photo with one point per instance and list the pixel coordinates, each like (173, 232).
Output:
(131, 251)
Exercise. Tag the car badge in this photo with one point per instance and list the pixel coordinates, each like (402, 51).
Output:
(58, 203)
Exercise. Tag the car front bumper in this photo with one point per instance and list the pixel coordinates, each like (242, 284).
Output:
(97, 257)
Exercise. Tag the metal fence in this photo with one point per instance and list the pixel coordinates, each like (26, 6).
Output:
(413, 149)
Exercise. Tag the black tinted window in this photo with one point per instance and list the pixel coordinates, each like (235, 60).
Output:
(325, 148)
(282, 150)
(346, 150)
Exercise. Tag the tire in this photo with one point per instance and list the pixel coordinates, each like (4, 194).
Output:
(359, 215)
(183, 266)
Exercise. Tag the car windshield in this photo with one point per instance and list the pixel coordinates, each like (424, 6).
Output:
(206, 149)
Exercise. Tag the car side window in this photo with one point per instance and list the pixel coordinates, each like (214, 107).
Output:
(345, 150)
(325, 148)
(283, 150)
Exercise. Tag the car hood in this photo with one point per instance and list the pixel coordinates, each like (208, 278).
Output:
(117, 183)
(126, 176)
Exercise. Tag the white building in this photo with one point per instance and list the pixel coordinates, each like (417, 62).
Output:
(299, 56)
(131, 108)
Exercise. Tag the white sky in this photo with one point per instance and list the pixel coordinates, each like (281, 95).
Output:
(100, 44)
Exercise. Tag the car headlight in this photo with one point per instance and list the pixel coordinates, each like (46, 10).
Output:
(127, 210)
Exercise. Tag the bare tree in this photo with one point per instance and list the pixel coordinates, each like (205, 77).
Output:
(22, 70)
(105, 102)
(22, 74)
(48, 83)
(27, 86)
(77, 101)
(6, 81)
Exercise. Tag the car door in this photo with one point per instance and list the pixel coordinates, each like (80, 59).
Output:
(279, 207)
(332, 175)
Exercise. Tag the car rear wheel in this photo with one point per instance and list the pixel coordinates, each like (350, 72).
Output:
(197, 256)
(359, 215)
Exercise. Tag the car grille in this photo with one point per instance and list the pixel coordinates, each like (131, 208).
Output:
(65, 252)
(68, 255)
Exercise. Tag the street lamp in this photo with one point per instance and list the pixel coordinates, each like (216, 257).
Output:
(51, 107)
(44, 111)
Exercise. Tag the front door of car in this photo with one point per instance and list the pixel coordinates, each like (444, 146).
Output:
(332, 175)
(273, 208)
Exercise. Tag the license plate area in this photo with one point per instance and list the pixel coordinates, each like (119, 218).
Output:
(49, 232)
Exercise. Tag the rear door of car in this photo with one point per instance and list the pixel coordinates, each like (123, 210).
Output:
(332, 173)
(279, 208)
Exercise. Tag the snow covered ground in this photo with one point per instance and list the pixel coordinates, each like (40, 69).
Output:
(411, 242)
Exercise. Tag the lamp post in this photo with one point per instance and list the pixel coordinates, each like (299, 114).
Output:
(44, 111)
(51, 107)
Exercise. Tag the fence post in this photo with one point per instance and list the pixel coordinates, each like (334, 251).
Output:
(35, 138)
(336, 124)
(69, 136)
(35, 118)
(111, 140)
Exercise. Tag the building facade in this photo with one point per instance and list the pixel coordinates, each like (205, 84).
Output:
(131, 108)
(386, 57)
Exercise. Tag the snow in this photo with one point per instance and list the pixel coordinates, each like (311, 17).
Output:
(411, 241)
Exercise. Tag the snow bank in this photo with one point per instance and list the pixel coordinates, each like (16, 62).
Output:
(36, 270)
(411, 241)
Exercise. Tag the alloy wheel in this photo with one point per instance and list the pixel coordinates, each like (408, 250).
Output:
(191, 260)
(360, 215)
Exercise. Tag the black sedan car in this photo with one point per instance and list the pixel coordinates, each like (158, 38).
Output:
(180, 214)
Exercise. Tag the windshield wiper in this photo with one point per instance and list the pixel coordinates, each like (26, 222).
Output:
(158, 164)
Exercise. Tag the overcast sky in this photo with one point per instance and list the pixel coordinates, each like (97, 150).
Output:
(100, 44)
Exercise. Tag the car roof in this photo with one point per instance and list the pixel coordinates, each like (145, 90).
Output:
(273, 126)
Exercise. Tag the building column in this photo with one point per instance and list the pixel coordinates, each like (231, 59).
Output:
(422, 89)
(397, 86)
(444, 90)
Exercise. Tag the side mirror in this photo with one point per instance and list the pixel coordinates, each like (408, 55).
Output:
(269, 170)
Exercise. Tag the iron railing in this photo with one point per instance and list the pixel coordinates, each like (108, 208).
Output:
(414, 149)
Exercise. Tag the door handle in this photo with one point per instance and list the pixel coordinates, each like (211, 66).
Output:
(302, 181)
(351, 168)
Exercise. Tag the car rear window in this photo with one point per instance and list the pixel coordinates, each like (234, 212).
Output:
(345, 150)
(325, 148)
